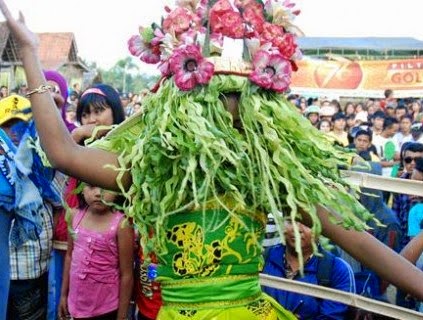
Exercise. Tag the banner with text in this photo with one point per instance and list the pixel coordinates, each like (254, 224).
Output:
(359, 78)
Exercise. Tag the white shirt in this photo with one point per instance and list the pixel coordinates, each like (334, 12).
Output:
(380, 142)
(400, 139)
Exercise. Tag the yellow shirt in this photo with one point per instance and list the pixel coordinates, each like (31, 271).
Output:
(341, 139)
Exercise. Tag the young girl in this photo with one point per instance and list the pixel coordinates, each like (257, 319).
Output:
(98, 272)
(99, 105)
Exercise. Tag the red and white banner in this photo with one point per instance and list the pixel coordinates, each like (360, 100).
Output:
(359, 78)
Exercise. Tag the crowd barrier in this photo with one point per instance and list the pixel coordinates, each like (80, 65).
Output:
(348, 298)
(373, 181)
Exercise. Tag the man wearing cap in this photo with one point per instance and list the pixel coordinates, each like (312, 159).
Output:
(390, 109)
(26, 200)
(10, 108)
(416, 132)
(312, 114)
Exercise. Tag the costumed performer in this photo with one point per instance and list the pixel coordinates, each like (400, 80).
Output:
(216, 149)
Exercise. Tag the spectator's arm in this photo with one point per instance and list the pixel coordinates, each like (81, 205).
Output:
(388, 164)
(342, 278)
(63, 311)
(413, 249)
(396, 203)
(393, 237)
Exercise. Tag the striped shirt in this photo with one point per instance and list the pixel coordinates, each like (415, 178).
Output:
(31, 260)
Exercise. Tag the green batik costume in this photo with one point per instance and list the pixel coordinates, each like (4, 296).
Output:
(205, 190)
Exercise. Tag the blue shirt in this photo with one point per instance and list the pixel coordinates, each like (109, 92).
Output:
(415, 220)
(308, 307)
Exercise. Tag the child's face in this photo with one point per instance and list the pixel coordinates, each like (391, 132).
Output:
(98, 115)
(325, 126)
(97, 198)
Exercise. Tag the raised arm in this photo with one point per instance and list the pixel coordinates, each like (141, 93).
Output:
(63, 153)
(368, 250)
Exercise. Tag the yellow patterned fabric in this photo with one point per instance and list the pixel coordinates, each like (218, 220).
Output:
(210, 267)
(211, 243)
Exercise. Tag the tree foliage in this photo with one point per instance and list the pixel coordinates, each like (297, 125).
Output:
(125, 76)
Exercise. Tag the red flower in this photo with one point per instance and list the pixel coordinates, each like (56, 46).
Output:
(221, 6)
(190, 68)
(270, 32)
(271, 71)
(225, 20)
(286, 45)
(253, 17)
(229, 24)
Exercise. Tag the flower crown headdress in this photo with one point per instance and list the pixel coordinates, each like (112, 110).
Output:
(191, 40)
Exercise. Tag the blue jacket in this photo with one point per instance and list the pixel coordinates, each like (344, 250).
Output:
(25, 183)
(308, 307)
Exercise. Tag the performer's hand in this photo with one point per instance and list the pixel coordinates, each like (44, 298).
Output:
(26, 39)
(86, 131)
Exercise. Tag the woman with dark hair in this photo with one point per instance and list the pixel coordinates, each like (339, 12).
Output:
(324, 125)
(99, 105)
(415, 109)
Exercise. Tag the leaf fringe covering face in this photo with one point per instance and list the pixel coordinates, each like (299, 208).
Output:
(184, 154)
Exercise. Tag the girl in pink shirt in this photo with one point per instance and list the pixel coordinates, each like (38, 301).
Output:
(98, 271)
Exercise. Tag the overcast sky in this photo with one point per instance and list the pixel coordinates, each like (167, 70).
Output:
(102, 27)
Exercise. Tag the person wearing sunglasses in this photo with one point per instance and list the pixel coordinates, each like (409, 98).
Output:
(410, 151)
(415, 216)
(413, 152)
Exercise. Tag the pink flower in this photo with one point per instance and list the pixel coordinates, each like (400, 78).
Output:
(147, 52)
(190, 68)
(229, 23)
(180, 20)
(164, 68)
(225, 20)
(246, 20)
(271, 71)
